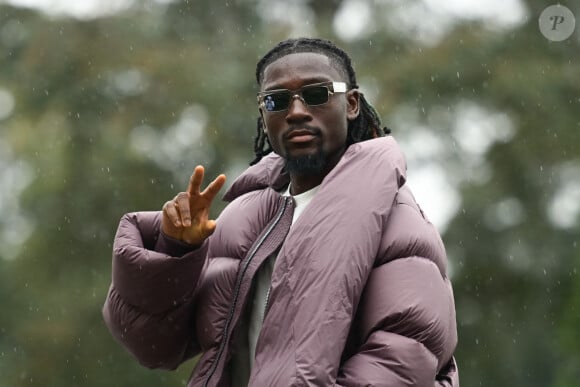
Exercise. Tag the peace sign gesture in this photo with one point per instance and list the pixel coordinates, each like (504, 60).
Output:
(185, 218)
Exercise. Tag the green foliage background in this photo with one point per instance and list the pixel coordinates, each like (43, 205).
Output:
(112, 114)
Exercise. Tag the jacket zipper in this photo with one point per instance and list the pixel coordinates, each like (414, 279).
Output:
(224, 340)
(266, 303)
(268, 293)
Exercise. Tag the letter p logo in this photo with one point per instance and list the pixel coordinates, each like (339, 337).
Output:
(557, 23)
(556, 20)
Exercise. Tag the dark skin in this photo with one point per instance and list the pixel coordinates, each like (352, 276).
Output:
(185, 218)
(288, 131)
(301, 130)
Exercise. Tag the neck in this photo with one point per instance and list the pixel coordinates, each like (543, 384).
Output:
(304, 179)
(301, 184)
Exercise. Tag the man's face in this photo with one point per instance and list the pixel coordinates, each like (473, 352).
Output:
(311, 138)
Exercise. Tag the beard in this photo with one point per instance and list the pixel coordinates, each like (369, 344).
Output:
(306, 165)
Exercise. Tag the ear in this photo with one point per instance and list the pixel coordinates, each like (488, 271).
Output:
(352, 104)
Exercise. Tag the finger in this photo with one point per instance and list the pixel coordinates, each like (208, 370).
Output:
(171, 212)
(182, 205)
(195, 180)
(213, 188)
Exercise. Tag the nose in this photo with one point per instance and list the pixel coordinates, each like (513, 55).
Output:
(297, 110)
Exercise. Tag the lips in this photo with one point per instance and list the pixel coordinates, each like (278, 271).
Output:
(300, 135)
(299, 132)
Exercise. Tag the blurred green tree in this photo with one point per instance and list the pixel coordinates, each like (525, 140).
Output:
(112, 114)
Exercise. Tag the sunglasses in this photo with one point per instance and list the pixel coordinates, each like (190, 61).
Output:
(311, 95)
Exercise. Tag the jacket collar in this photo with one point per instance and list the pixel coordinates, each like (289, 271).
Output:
(269, 172)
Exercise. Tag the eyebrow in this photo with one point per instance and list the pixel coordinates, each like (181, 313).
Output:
(305, 82)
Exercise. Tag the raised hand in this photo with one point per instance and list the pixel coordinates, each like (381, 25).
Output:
(185, 218)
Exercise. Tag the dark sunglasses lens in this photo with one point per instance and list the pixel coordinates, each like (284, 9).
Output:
(276, 101)
(316, 95)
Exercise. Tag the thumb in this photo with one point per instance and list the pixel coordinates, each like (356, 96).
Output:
(210, 226)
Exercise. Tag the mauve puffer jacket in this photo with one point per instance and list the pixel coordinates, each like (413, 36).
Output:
(359, 293)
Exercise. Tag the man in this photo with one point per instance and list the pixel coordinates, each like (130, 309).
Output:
(321, 271)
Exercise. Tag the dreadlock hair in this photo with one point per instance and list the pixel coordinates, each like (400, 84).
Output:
(366, 126)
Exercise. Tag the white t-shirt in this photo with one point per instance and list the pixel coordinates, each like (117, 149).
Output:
(264, 276)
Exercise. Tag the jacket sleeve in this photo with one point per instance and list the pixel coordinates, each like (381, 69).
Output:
(149, 307)
(405, 323)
